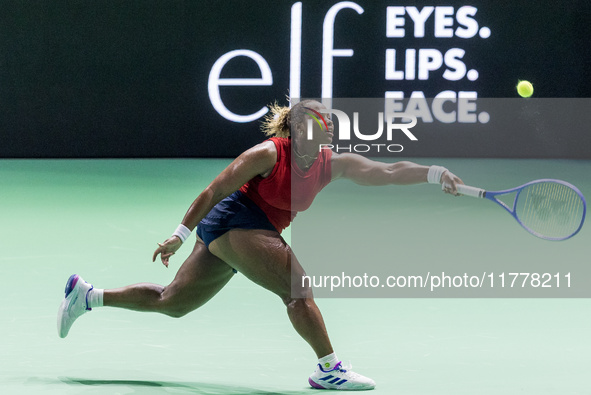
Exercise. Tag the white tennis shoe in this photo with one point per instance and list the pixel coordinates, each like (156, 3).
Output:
(339, 378)
(75, 304)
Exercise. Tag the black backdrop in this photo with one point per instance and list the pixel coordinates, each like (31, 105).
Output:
(106, 78)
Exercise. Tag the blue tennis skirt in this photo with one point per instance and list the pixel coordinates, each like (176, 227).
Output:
(234, 212)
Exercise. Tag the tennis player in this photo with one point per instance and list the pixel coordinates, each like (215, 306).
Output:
(239, 218)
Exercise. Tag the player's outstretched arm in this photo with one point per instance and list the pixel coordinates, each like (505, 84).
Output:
(364, 171)
(258, 160)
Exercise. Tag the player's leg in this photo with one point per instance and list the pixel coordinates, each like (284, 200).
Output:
(266, 259)
(199, 278)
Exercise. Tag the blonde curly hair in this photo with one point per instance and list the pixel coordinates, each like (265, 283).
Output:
(279, 119)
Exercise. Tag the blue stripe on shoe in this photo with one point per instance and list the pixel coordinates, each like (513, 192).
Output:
(334, 381)
(87, 292)
(330, 376)
(342, 382)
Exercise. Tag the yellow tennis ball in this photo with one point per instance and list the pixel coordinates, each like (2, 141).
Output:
(525, 89)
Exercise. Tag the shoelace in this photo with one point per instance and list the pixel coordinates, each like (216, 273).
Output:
(343, 369)
(340, 368)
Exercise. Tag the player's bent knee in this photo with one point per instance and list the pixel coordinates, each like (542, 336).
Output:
(176, 311)
(296, 291)
(289, 296)
(172, 305)
(299, 303)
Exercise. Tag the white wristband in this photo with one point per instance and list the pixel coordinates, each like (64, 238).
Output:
(435, 173)
(182, 232)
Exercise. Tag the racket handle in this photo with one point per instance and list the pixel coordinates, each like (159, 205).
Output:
(471, 191)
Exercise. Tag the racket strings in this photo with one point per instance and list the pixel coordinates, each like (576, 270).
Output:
(550, 209)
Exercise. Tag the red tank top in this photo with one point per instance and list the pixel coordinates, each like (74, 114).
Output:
(277, 196)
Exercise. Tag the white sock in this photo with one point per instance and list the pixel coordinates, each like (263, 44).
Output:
(328, 362)
(95, 298)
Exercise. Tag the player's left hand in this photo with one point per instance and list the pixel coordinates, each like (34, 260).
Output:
(167, 249)
(449, 182)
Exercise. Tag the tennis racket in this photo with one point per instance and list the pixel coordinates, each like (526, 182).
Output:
(549, 209)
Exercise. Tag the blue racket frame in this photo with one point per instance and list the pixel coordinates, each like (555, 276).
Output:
(491, 195)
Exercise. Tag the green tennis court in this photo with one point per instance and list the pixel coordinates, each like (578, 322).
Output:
(102, 219)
